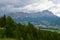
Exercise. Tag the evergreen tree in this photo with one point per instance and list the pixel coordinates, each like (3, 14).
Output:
(3, 21)
(10, 27)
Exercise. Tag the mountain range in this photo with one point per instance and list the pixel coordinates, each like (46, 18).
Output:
(38, 18)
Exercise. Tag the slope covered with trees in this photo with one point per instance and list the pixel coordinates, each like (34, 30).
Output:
(10, 29)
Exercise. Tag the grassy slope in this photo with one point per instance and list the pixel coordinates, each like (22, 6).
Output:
(58, 31)
(41, 30)
(6, 39)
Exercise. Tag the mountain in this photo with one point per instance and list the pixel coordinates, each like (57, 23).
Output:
(33, 14)
(38, 18)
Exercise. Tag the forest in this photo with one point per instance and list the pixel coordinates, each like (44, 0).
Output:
(10, 29)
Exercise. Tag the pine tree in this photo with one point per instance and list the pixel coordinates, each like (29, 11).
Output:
(10, 27)
(3, 21)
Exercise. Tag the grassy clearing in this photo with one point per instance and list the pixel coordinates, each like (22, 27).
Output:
(6, 39)
(58, 31)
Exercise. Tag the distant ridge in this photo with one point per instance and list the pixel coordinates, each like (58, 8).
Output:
(44, 17)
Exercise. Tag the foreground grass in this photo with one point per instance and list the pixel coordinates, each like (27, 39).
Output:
(6, 39)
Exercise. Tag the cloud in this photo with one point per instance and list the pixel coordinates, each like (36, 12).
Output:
(55, 1)
(30, 5)
(51, 5)
(8, 5)
(39, 6)
(56, 10)
(4, 3)
(9, 1)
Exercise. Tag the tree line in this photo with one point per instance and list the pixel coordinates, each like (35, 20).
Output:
(10, 29)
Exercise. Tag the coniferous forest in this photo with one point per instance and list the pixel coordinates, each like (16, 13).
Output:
(10, 29)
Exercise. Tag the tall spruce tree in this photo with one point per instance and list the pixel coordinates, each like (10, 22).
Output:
(3, 21)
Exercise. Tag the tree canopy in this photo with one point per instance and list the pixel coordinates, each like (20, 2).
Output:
(11, 29)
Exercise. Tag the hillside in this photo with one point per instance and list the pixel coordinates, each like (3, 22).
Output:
(10, 29)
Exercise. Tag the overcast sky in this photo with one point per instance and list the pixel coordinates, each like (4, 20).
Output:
(30, 5)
